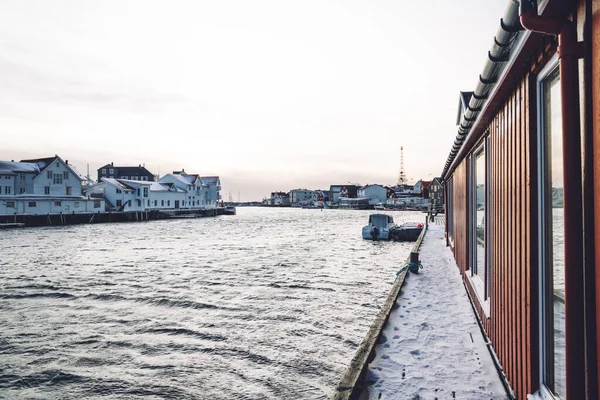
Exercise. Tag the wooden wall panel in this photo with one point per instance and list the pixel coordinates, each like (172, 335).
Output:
(509, 325)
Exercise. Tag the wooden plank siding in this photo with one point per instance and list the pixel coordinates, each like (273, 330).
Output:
(509, 324)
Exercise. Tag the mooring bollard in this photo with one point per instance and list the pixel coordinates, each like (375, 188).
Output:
(413, 266)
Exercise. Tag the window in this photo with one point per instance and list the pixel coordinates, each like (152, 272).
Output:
(57, 179)
(66, 175)
(76, 205)
(155, 203)
(111, 171)
(551, 244)
(22, 177)
(139, 202)
(57, 203)
(479, 249)
(129, 203)
(119, 191)
(68, 190)
(168, 203)
(49, 174)
(32, 204)
(46, 189)
(103, 171)
(145, 192)
(162, 202)
(450, 209)
(138, 191)
(96, 203)
(7, 189)
(10, 204)
(119, 203)
(22, 190)
(148, 203)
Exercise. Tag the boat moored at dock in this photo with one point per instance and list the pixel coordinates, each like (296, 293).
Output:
(382, 227)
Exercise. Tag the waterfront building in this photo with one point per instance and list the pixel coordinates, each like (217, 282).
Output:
(139, 173)
(375, 193)
(337, 191)
(421, 188)
(196, 191)
(302, 197)
(281, 199)
(436, 195)
(43, 186)
(522, 200)
(213, 190)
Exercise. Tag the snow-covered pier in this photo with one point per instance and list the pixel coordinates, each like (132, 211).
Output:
(430, 345)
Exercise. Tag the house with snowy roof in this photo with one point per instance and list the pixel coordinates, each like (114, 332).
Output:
(139, 173)
(213, 188)
(43, 186)
(375, 193)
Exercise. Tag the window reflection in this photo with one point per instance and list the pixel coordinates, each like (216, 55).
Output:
(480, 215)
(555, 264)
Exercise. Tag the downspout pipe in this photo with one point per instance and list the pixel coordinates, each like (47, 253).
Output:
(569, 52)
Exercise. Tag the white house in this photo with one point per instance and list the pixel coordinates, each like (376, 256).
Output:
(302, 196)
(280, 199)
(131, 195)
(375, 193)
(197, 191)
(213, 184)
(43, 186)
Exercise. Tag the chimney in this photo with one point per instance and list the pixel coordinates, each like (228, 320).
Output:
(111, 164)
(139, 165)
(67, 162)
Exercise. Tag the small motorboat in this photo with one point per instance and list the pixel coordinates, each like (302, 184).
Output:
(229, 210)
(379, 206)
(381, 227)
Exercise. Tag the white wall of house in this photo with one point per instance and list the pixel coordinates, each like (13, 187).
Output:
(213, 191)
(166, 199)
(57, 180)
(376, 193)
(7, 184)
(302, 196)
(44, 205)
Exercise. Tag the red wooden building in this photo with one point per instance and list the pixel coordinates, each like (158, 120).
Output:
(522, 186)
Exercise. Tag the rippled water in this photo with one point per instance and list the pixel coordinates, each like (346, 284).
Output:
(268, 304)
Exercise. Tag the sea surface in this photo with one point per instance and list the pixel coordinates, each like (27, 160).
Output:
(268, 304)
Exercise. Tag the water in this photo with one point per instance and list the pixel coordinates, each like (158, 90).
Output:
(268, 304)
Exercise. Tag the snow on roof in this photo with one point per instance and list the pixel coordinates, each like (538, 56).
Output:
(134, 182)
(210, 180)
(20, 166)
(164, 187)
(116, 183)
(41, 162)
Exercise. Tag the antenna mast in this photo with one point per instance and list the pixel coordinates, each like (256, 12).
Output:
(402, 174)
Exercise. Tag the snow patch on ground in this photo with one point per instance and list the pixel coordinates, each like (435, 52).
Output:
(432, 347)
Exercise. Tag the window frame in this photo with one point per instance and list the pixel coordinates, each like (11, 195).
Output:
(546, 371)
(480, 286)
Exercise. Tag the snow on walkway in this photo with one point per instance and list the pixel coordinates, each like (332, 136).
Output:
(432, 347)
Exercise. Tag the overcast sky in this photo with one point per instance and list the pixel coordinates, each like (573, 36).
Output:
(270, 95)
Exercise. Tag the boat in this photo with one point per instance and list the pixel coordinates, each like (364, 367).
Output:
(380, 227)
(229, 210)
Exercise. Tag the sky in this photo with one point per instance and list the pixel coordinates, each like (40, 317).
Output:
(270, 95)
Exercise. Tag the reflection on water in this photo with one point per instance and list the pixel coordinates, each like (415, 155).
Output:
(268, 304)
(558, 284)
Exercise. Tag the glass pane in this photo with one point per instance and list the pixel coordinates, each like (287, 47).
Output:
(555, 264)
(480, 215)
